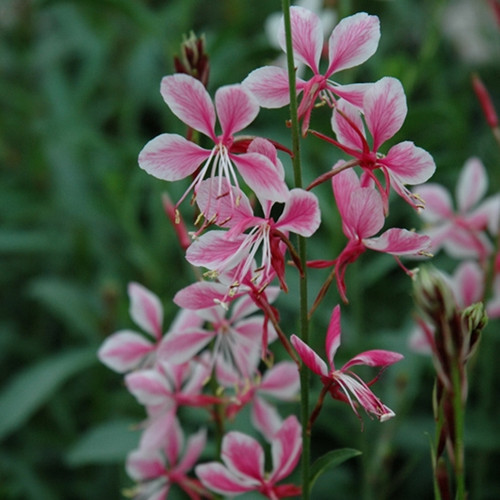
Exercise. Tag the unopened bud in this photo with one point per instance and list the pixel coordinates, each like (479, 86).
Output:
(193, 59)
(474, 319)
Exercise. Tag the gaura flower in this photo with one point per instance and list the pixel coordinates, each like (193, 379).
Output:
(221, 251)
(384, 111)
(157, 470)
(362, 212)
(342, 383)
(172, 157)
(352, 42)
(462, 232)
(243, 464)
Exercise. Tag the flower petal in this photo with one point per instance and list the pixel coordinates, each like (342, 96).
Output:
(286, 448)
(411, 164)
(146, 309)
(148, 386)
(200, 295)
(385, 109)
(194, 447)
(189, 101)
(472, 184)
(261, 176)
(438, 204)
(353, 41)
(179, 347)
(243, 455)
(333, 336)
(364, 216)
(301, 214)
(144, 465)
(170, 157)
(399, 242)
(307, 37)
(348, 125)
(309, 357)
(376, 357)
(124, 350)
(265, 418)
(269, 85)
(236, 108)
(281, 381)
(216, 477)
(468, 283)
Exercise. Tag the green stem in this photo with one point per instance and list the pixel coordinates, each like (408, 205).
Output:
(458, 412)
(304, 320)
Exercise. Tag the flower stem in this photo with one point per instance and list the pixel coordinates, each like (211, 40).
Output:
(304, 320)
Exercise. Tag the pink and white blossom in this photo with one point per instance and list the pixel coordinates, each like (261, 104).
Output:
(157, 470)
(171, 157)
(343, 383)
(352, 42)
(462, 232)
(242, 469)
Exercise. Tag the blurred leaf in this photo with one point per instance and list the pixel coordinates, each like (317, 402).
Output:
(28, 242)
(33, 386)
(329, 460)
(68, 302)
(104, 444)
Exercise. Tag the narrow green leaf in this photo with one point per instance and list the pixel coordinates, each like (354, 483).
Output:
(329, 460)
(107, 443)
(33, 386)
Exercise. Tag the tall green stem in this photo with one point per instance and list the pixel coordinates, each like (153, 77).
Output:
(304, 320)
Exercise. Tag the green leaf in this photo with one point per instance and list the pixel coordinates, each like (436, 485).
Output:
(107, 443)
(329, 460)
(34, 386)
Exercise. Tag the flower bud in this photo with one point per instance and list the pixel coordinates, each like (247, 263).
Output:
(193, 59)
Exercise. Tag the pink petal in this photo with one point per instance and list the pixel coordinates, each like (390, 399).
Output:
(354, 93)
(376, 357)
(146, 309)
(267, 148)
(438, 204)
(301, 214)
(281, 381)
(353, 41)
(343, 184)
(200, 295)
(148, 386)
(185, 319)
(333, 336)
(174, 442)
(463, 243)
(411, 164)
(348, 125)
(170, 157)
(144, 465)
(468, 283)
(385, 109)
(472, 184)
(155, 434)
(179, 347)
(194, 448)
(365, 213)
(236, 108)
(269, 85)
(286, 448)
(399, 242)
(307, 37)
(265, 418)
(309, 357)
(486, 215)
(124, 350)
(216, 477)
(189, 101)
(261, 176)
(213, 250)
(243, 455)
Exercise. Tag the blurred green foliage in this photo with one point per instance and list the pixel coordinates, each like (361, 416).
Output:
(79, 97)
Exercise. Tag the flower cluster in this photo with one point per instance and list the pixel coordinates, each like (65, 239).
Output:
(217, 354)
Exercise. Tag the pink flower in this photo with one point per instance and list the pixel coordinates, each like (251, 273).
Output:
(157, 470)
(281, 382)
(243, 467)
(384, 109)
(125, 350)
(362, 212)
(352, 42)
(343, 384)
(163, 389)
(237, 337)
(172, 157)
(222, 251)
(462, 232)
